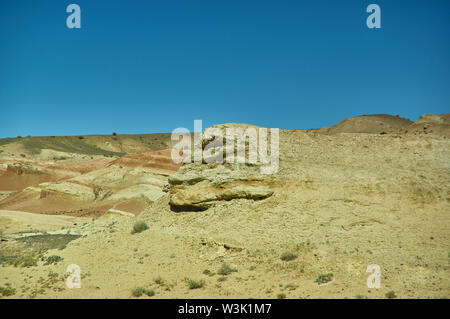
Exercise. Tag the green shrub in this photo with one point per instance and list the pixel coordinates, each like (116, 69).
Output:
(52, 259)
(324, 278)
(139, 226)
(221, 278)
(159, 280)
(390, 295)
(24, 261)
(139, 291)
(194, 284)
(281, 296)
(288, 256)
(225, 269)
(208, 272)
(7, 291)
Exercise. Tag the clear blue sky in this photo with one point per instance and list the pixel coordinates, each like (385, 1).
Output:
(152, 66)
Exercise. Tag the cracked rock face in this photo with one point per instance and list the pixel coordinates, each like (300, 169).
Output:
(197, 187)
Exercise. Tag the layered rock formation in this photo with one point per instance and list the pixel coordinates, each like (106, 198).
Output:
(199, 186)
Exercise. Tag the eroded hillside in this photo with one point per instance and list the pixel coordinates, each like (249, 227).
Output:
(340, 201)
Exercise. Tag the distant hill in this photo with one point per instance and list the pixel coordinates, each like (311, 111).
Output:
(376, 123)
(106, 145)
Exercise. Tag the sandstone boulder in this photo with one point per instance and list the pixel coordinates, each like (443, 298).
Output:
(197, 187)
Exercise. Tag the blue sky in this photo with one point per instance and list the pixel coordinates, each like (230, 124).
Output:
(152, 66)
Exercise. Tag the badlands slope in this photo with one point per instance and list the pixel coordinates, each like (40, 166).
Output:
(369, 190)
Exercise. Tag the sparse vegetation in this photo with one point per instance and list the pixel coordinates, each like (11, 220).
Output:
(159, 281)
(291, 286)
(358, 296)
(288, 256)
(139, 291)
(221, 278)
(208, 272)
(54, 259)
(7, 291)
(390, 295)
(225, 269)
(252, 253)
(139, 226)
(194, 284)
(324, 278)
(281, 296)
(24, 261)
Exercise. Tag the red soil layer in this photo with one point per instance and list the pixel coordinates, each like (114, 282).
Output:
(157, 159)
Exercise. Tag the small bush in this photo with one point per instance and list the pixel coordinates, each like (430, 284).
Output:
(281, 296)
(114, 133)
(358, 296)
(225, 269)
(139, 291)
(221, 278)
(324, 278)
(139, 227)
(194, 284)
(159, 281)
(7, 291)
(288, 256)
(390, 295)
(52, 260)
(208, 272)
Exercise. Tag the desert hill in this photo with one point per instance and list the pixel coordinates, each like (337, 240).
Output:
(344, 198)
(385, 123)
(106, 145)
(377, 124)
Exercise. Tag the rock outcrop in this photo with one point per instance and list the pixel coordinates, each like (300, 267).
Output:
(197, 187)
(434, 118)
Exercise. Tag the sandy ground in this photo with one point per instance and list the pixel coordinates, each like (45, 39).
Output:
(12, 222)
